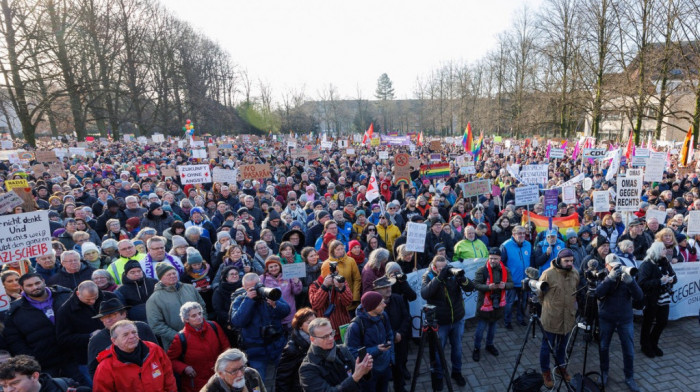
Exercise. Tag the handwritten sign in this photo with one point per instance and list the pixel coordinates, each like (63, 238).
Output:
(415, 236)
(213, 152)
(8, 201)
(534, 174)
(294, 270)
(568, 194)
(475, 188)
(601, 201)
(556, 153)
(225, 175)
(199, 153)
(526, 195)
(12, 184)
(435, 145)
(23, 236)
(46, 156)
(194, 174)
(693, 223)
(168, 172)
(257, 171)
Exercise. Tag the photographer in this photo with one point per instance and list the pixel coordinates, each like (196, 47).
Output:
(656, 278)
(492, 280)
(558, 312)
(260, 320)
(330, 296)
(615, 294)
(442, 287)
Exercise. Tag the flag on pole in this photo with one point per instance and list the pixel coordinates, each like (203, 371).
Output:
(683, 158)
(467, 139)
(373, 189)
(577, 149)
(368, 134)
(476, 151)
(630, 146)
(421, 140)
(549, 148)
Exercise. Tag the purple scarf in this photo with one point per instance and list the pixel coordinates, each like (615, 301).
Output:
(45, 306)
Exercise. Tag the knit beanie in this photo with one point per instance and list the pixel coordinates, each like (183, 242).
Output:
(222, 234)
(272, 260)
(179, 241)
(87, 247)
(131, 264)
(109, 243)
(153, 206)
(370, 300)
(193, 256)
(162, 268)
(353, 244)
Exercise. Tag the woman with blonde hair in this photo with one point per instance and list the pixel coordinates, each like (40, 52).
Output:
(668, 237)
(345, 266)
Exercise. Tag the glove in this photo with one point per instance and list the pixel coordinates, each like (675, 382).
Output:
(627, 278)
(615, 274)
(462, 280)
(445, 273)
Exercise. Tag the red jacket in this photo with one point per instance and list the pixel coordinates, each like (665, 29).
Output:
(203, 347)
(155, 375)
(320, 300)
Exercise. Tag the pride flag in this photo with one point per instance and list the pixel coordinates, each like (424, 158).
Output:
(467, 139)
(436, 170)
(542, 222)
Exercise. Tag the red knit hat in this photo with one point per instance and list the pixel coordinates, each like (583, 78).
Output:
(370, 300)
(353, 244)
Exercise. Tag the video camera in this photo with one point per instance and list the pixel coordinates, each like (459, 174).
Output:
(400, 277)
(429, 313)
(334, 273)
(272, 293)
(531, 282)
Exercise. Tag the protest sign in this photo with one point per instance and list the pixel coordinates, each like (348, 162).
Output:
(254, 172)
(601, 201)
(23, 236)
(39, 169)
(6, 144)
(415, 237)
(213, 152)
(495, 190)
(654, 169)
(197, 143)
(350, 151)
(28, 202)
(225, 175)
(556, 153)
(326, 145)
(435, 145)
(551, 200)
(435, 157)
(526, 195)
(594, 153)
(685, 300)
(534, 174)
(693, 223)
(199, 153)
(299, 153)
(194, 174)
(168, 172)
(12, 184)
(56, 169)
(659, 215)
(8, 201)
(4, 299)
(342, 143)
(497, 150)
(635, 172)
(629, 194)
(402, 170)
(568, 194)
(45, 156)
(467, 170)
(383, 154)
(158, 138)
(294, 270)
(475, 188)
(641, 152)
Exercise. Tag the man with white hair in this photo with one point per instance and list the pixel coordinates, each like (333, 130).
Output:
(231, 373)
(133, 208)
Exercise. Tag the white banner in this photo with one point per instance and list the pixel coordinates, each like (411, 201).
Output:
(693, 223)
(23, 236)
(415, 280)
(194, 174)
(225, 175)
(415, 237)
(525, 195)
(629, 194)
(685, 300)
(534, 174)
(601, 201)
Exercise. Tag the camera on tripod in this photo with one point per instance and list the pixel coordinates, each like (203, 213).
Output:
(334, 273)
(272, 293)
(529, 285)
(429, 314)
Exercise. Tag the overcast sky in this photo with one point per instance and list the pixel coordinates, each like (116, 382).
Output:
(312, 43)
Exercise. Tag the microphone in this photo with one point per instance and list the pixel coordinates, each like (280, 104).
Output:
(593, 264)
(532, 273)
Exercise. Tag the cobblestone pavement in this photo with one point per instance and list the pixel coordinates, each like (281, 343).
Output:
(677, 370)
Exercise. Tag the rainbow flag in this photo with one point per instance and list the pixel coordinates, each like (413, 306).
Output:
(467, 139)
(542, 222)
(476, 150)
(436, 170)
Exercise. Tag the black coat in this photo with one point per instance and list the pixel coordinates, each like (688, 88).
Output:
(221, 301)
(318, 374)
(435, 290)
(203, 246)
(135, 293)
(74, 324)
(71, 281)
(294, 352)
(101, 341)
(399, 316)
(49, 384)
(649, 278)
(28, 331)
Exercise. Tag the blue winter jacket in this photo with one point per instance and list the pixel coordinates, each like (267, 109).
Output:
(517, 259)
(250, 316)
(377, 330)
(615, 299)
(542, 259)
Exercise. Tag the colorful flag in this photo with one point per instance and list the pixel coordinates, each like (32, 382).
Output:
(577, 149)
(373, 189)
(476, 151)
(629, 151)
(683, 158)
(436, 170)
(467, 139)
(549, 148)
(542, 222)
(368, 134)
(421, 140)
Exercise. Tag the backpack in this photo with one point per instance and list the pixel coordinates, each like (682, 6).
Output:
(362, 327)
(183, 340)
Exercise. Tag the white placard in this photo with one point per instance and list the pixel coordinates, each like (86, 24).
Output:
(526, 195)
(601, 201)
(635, 172)
(693, 223)
(467, 170)
(158, 138)
(534, 174)
(594, 153)
(614, 165)
(326, 145)
(685, 300)
(142, 140)
(497, 149)
(629, 194)
(294, 270)
(656, 164)
(658, 214)
(415, 237)
(197, 143)
(23, 236)
(8, 201)
(199, 153)
(641, 152)
(4, 299)
(194, 174)
(342, 143)
(77, 151)
(6, 144)
(568, 194)
(225, 175)
(350, 151)
(556, 153)
(383, 154)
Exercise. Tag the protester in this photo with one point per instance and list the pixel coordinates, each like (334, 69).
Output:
(287, 375)
(23, 373)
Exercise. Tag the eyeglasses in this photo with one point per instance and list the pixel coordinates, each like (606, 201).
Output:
(236, 370)
(326, 337)
(374, 230)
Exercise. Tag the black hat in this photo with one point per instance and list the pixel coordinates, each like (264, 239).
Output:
(434, 222)
(439, 246)
(110, 306)
(131, 264)
(153, 206)
(112, 203)
(384, 281)
(635, 222)
(242, 210)
(600, 241)
(321, 214)
(494, 251)
(417, 218)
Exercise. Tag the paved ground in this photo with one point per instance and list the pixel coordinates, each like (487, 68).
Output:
(677, 370)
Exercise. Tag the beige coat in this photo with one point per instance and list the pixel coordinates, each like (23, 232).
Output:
(559, 303)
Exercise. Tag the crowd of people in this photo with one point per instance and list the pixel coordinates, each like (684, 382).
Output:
(155, 285)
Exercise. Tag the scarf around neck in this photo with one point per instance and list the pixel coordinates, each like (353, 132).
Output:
(488, 302)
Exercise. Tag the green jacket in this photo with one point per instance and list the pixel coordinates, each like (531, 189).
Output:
(163, 309)
(466, 249)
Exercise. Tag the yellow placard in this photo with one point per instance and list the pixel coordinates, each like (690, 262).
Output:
(497, 139)
(374, 142)
(12, 184)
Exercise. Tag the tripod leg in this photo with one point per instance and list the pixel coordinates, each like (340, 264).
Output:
(552, 352)
(522, 349)
(441, 352)
(416, 369)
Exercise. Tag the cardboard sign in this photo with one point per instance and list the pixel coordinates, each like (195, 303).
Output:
(24, 236)
(28, 202)
(254, 172)
(45, 156)
(12, 184)
(56, 170)
(39, 169)
(693, 223)
(601, 201)
(213, 152)
(225, 175)
(475, 188)
(526, 195)
(194, 174)
(436, 145)
(8, 201)
(659, 215)
(294, 270)
(415, 237)
(168, 172)
(568, 194)
(629, 194)
(534, 174)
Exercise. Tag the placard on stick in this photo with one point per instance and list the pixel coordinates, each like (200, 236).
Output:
(194, 174)
(46, 156)
(415, 237)
(693, 223)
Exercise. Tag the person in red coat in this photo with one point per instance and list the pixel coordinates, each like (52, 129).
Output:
(330, 298)
(132, 364)
(204, 342)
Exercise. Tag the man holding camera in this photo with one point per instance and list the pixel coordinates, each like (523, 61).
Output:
(615, 294)
(259, 318)
(442, 287)
(558, 312)
(492, 280)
